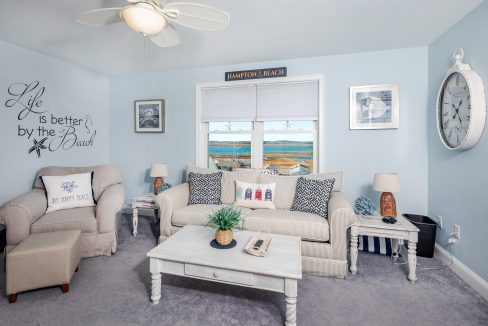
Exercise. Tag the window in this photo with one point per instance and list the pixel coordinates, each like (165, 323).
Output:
(229, 145)
(288, 147)
(260, 124)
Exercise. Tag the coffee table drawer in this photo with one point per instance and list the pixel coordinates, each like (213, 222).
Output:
(219, 274)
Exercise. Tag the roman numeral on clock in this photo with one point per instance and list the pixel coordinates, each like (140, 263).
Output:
(446, 124)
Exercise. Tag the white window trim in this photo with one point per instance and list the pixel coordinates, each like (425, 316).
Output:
(319, 149)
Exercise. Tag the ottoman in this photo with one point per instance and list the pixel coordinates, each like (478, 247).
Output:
(42, 260)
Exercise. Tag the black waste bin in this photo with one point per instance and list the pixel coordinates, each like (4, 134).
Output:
(427, 228)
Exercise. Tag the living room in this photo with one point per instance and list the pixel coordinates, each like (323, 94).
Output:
(68, 93)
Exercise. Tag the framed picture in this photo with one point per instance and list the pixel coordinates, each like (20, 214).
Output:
(374, 107)
(149, 115)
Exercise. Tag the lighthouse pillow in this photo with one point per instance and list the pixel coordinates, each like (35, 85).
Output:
(255, 195)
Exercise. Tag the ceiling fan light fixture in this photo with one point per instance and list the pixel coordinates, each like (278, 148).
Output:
(143, 18)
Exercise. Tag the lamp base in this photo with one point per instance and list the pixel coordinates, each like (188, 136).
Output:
(158, 181)
(388, 205)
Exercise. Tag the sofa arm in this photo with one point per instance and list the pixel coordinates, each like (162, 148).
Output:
(108, 205)
(168, 201)
(19, 213)
(341, 216)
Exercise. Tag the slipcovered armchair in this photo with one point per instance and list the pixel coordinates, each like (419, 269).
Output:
(26, 214)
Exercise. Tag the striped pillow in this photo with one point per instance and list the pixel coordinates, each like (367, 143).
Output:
(375, 244)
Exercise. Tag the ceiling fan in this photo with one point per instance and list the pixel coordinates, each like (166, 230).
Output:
(155, 18)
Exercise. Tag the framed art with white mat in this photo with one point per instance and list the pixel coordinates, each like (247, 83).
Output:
(374, 107)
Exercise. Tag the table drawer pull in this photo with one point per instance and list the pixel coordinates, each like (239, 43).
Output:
(213, 273)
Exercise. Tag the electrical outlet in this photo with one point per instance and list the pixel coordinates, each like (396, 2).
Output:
(457, 231)
(439, 221)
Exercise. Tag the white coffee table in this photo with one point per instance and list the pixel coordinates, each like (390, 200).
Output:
(374, 226)
(188, 253)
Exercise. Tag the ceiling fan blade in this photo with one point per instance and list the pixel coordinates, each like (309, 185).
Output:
(166, 38)
(197, 16)
(99, 17)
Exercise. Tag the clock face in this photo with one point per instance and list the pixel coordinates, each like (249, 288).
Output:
(455, 110)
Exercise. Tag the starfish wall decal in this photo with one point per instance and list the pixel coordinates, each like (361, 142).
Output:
(38, 146)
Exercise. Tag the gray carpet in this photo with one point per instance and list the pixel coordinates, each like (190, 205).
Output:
(114, 291)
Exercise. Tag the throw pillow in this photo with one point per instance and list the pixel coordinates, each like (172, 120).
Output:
(312, 196)
(255, 195)
(204, 188)
(68, 191)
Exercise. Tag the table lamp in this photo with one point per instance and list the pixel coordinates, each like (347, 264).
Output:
(158, 171)
(387, 183)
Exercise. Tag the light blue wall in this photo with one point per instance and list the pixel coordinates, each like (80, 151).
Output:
(71, 91)
(458, 181)
(359, 153)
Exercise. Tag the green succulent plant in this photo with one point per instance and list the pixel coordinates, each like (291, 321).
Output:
(226, 218)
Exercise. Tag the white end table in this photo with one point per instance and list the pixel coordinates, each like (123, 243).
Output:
(374, 226)
(147, 202)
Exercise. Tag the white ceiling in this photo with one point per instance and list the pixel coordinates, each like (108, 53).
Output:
(259, 30)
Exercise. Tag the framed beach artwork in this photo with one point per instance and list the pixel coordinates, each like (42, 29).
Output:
(149, 115)
(374, 107)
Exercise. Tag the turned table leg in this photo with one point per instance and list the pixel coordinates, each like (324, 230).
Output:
(135, 221)
(291, 302)
(394, 248)
(155, 287)
(412, 261)
(354, 250)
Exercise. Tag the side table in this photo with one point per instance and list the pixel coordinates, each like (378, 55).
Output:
(374, 226)
(147, 202)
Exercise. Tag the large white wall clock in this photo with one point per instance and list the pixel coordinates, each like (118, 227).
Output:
(461, 106)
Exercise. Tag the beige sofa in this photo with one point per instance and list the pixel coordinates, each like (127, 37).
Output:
(324, 241)
(26, 214)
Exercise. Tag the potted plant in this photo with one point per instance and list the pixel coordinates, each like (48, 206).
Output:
(225, 220)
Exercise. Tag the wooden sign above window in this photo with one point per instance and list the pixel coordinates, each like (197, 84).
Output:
(255, 74)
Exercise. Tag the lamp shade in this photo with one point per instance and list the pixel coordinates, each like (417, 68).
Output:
(143, 18)
(386, 182)
(158, 170)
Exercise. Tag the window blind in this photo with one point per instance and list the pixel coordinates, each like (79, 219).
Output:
(237, 103)
(288, 101)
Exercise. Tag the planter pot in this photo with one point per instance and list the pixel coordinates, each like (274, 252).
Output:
(224, 237)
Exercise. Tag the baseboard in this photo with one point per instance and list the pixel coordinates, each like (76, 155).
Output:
(466, 274)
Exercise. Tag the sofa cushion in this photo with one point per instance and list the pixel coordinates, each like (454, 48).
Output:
(82, 219)
(198, 214)
(312, 196)
(286, 185)
(281, 221)
(228, 182)
(103, 177)
(204, 188)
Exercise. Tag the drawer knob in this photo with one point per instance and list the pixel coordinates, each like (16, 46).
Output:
(216, 274)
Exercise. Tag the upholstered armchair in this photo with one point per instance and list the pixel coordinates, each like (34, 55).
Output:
(26, 214)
